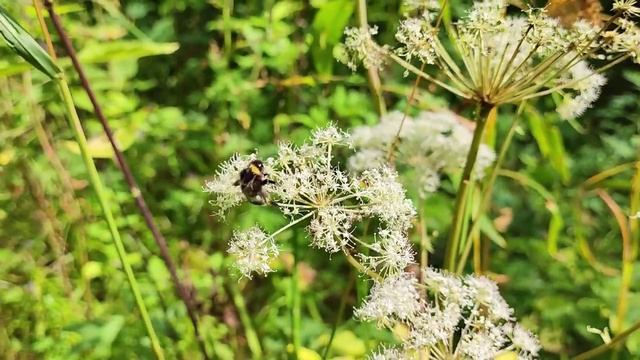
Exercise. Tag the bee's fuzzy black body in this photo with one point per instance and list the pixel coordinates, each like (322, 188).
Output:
(251, 181)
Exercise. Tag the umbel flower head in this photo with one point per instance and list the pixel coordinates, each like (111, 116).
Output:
(309, 187)
(459, 318)
(496, 58)
(428, 145)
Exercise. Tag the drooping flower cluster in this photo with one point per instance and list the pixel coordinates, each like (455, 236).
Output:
(308, 186)
(497, 58)
(427, 145)
(457, 318)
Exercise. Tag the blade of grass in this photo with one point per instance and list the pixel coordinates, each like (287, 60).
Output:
(557, 222)
(296, 297)
(627, 258)
(25, 46)
(32, 52)
(249, 331)
(341, 307)
(123, 165)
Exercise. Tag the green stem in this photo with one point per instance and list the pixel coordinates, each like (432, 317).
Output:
(96, 183)
(372, 73)
(343, 303)
(607, 346)
(249, 331)
(295, 298)
(461, 196)
(488, 190)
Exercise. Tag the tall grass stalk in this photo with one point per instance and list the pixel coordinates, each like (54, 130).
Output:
(249, 331)
(180, 288)
(341, 307)
(98, 187)
(627, 259)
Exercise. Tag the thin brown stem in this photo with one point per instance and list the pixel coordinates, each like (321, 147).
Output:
(396, 138)
(181, 289)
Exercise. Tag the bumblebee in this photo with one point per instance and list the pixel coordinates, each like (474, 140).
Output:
(251, 182)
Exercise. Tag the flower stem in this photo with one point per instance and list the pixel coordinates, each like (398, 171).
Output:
(295, 298)
(396, 138)
(372, 73)
(451, 253)
(488, 190)
(289, 225)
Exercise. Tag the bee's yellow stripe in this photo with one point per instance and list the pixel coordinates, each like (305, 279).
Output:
(254, 169)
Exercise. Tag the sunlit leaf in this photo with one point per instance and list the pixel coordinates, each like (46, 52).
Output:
(100, 147)
(124, 49)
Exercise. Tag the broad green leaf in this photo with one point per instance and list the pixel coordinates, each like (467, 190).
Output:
(24, 45)
(158, 272)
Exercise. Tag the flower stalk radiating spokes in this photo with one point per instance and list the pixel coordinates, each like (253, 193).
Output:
(498, 59)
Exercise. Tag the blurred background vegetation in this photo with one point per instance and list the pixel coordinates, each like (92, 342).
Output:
(187, 83)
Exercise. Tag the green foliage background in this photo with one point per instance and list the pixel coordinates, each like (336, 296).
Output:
(187, 83)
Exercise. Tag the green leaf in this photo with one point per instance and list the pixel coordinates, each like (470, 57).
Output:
(99, 146)
(91, 270)
(124, 49)
(346, 342)
(549, 141)
(556, 223)
(24, 45)
(487, 228)
(327, 28)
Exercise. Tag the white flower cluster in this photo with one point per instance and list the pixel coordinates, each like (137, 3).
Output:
(307, 185)
(359, 48)
(499, 58)
(429, 144)
(459, 318)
